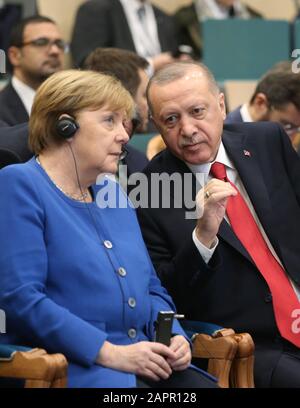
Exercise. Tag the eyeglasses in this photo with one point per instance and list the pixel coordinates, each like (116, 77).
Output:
(291, 129)
(44, 42)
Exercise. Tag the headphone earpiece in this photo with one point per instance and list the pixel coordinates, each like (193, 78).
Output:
(66, 127)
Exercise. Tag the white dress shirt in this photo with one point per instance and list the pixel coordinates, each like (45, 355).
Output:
(233, 176)
(25, 93)
(144, 35)
(245, 114)
(217, 11)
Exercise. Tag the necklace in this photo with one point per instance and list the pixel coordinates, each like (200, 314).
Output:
(77, 197)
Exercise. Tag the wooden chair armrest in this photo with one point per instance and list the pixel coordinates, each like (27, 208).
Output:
(242, 370)
(220, 351)
(39, 369)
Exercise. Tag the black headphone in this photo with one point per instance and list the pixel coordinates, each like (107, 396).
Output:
(66, 127)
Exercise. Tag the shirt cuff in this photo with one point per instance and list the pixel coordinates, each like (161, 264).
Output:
(205, 252)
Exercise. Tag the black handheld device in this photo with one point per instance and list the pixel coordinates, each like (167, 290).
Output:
(163, 327)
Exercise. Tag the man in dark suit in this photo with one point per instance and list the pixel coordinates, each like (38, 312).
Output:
(36, 51)
(14, 144)
(190, 17)
(14, 149)
(276, 98)
(119, 24)
(219, 264)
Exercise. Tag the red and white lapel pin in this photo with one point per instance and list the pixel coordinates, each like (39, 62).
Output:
(247, 153)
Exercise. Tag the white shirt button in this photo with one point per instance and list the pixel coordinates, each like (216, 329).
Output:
(122, 272)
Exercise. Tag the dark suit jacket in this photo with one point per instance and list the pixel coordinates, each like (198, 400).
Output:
(230, 291)
(135, 160)
(234, 116)
(12, 110)
(14, 145)
(3, 123)
(190, 28)
(103, 23)
(14, 149)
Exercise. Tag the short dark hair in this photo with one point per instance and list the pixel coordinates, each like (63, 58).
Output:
(17, 32)
(280, 85)
(177, 70)
(122, 64)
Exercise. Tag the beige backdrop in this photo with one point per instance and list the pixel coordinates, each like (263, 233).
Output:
(273, 9)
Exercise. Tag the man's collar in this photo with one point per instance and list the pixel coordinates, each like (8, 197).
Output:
(222, 157)
(245, 114)
(135, 4)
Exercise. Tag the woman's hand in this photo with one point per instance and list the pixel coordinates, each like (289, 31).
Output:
(183, 355)
(147, 359)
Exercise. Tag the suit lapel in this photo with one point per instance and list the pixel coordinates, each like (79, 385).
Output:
(243, 155)
(16, 105)
(120, 23)
(244, 158)
(172, 164)
(238, 148)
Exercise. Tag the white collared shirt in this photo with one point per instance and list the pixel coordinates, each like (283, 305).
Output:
(145, 37)
(218, 11)
(25, 93)
(233, 176)
(245, 114)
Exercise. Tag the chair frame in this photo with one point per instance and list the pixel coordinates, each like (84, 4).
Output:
(37, 368)
(230, 355)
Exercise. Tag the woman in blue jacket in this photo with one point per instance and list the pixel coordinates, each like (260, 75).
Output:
(76, 277)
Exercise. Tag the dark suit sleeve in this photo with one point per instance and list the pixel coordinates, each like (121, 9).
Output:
(92, 29)
(182, 270)
(292, 162)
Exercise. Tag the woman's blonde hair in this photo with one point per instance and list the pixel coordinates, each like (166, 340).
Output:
(69, 92)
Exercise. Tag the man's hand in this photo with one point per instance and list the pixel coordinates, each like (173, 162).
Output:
(212, 200)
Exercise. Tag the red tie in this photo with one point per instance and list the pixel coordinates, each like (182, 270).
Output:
(243, 224)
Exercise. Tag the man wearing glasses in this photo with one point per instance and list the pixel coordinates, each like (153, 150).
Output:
(36, 51)
(276, 98)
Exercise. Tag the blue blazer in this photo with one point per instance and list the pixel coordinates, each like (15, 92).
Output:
(62, 286)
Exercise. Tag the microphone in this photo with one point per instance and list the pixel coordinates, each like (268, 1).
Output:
(124, 153)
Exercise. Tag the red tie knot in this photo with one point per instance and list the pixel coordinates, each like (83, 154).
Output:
(218, 171)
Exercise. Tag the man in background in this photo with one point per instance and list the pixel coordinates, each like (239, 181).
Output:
(130, 69)
(189, 18)
(276, 98)
(134, 25)
(36, 51)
